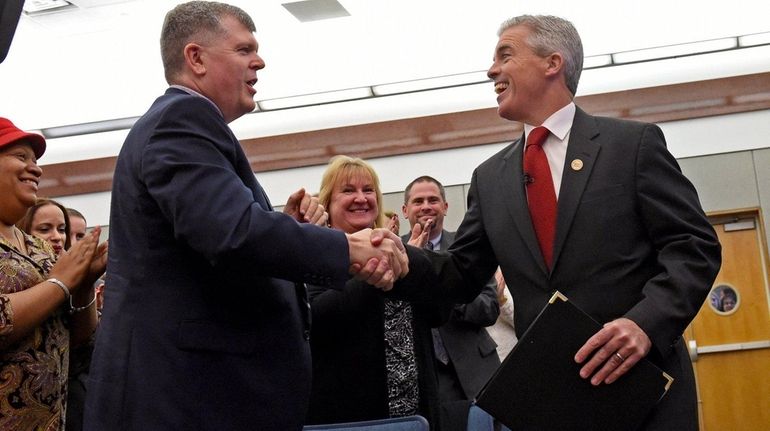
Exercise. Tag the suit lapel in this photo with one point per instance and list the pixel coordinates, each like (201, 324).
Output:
(446, 239)
(511, 177)
(582, 149)
(243, 168)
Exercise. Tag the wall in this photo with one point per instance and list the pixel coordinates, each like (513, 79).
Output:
(726, 157)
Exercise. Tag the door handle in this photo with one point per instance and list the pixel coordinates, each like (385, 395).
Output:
(692, 349)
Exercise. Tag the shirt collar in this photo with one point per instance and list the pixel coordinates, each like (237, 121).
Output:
(559, 123)
(437, 241)
(192, 92)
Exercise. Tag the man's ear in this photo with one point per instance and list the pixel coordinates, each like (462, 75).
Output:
(554, 64)
(194, 59)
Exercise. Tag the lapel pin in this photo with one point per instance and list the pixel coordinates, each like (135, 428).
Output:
(576, 165)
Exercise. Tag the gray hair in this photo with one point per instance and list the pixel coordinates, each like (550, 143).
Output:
(195, 21)
(553, 34)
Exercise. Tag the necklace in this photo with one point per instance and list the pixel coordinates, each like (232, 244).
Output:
(17, 240)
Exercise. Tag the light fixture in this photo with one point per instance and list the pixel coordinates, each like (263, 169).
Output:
(86, 128)
(595, 61)
(754, 39)
(315, 10)
(672, 51)
(435, 83)
(315, 99)
(41, 6)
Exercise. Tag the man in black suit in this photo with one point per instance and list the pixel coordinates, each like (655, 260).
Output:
(630, 243)
(205, 323)
(465, 354)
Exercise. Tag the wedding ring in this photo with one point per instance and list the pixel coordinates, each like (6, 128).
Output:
(619, 356)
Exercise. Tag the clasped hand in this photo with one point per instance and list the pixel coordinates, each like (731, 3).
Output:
(378, 257)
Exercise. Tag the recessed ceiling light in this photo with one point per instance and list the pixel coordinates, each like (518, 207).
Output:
(40, 6)
(314, 10)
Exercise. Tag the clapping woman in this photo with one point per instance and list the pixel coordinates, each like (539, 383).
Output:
(45, 306)
(372, 356)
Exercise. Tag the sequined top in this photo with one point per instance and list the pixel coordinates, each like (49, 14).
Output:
(403, 390)
(33, 371)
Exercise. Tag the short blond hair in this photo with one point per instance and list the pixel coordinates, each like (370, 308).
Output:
(343, 168)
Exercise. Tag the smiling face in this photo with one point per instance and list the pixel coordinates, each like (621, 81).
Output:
(519, 75)
(425, 203)
(353, 204)
(226, 68)
(19, 178)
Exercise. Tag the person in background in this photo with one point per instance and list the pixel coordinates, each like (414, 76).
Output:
(206, 322)
(99, 289)
(48, 219)
(393, 224)
(503, 331)
(80, 358)
(46, 305)
(372, 356)
(78, 225)
(465, 354)
(729, 299)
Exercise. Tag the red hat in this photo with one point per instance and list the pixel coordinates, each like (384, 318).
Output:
(10, 134)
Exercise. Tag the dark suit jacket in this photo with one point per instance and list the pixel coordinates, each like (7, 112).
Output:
(204, 326)
(631, 241)
(470, 348)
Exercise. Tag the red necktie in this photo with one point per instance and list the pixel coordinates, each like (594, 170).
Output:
(540, 192)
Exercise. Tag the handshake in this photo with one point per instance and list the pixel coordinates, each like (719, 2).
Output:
(377, 257)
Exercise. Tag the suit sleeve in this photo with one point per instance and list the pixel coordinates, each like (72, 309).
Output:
(483, 310)
(688, 252)
(189, 171)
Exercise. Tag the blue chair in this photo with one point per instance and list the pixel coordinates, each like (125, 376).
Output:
(479, 420)
(407, 423)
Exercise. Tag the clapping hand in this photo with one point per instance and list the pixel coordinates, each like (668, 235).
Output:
(305, 208)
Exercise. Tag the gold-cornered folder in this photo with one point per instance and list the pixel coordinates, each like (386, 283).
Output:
(538, 387)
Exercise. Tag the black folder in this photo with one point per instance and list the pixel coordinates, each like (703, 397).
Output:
(538, 387)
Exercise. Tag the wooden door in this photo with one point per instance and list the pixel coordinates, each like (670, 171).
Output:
(729, 340)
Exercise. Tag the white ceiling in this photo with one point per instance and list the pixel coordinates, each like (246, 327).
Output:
(102, 62)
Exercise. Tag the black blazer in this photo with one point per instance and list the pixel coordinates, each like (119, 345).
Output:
(348, 347)
(631, 241)
(204, 326)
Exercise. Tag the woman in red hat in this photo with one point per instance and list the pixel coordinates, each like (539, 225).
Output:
(45, 309)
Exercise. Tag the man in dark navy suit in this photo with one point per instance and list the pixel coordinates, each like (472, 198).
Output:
(465, 354)
(205, 324)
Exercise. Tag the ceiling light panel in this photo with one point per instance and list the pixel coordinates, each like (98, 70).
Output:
(431, 83)
(754, 39)
(315, 10)
(44, 6)
(672, 51)
(315, 99)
